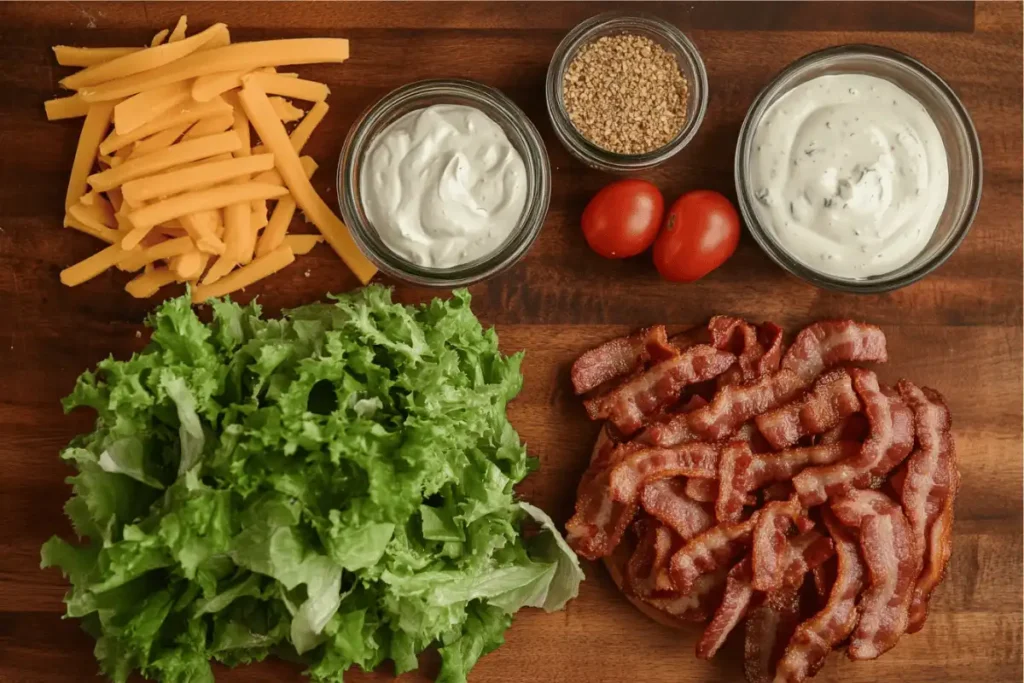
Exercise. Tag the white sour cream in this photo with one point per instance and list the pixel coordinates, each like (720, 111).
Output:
(850, 174)
(443, 185)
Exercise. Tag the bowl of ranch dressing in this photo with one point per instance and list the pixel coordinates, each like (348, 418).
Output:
(444, 183)
(858, 169)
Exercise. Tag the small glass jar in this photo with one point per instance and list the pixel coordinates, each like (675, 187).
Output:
(963, 156)
(521, 134)
(664, 34)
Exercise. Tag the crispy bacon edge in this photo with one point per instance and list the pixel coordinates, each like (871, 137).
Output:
(815, 638)
(803, 553)
(646, 576)
(648, 465)
(758, 349)
(667, 501)
(620, 357)
(889, 551)
(889, 443)
(715, 549)
(824, 344)
(831, 399)
(769, 543)
(628, 405)
(928, 491)
(735, 404)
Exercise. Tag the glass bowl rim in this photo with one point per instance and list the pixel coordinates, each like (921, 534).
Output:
(363, 132)
(576, 143)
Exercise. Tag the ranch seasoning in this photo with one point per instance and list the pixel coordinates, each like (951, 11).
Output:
(626, 94)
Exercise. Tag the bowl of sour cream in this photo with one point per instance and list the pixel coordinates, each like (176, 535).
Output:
(444, 183)
(858, 169)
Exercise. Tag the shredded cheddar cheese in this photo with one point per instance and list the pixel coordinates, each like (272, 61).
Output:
(183, 166)
(296, 88)
(89, 56)
(246, 275)
(274, 136)
(194, 177)
(143, 107)
(237, 57)
(162, 159)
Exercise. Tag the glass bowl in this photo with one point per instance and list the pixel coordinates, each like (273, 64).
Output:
(521, 133)
(959, 137)
(613, 23)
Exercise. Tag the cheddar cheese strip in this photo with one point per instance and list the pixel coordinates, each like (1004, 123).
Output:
(147, 217)
(272, 132)
(161, 160)
(168, 119)
(93, 130)
(194, 177)
(89, 56)
(238, 57)
(246, 275)
(145, 61)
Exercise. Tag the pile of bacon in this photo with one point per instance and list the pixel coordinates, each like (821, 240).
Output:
(737, 481)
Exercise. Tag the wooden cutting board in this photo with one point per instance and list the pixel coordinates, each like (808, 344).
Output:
(959, 330)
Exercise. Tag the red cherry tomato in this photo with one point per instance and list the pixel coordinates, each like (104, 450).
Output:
(622, 219)
(701, 232)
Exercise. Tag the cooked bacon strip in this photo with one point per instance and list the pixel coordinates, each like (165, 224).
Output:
(758, 349)
(620, 357)
(669, 431)
(927, 492)
(644, 466)
(805, 552)
(735, 603)
(783, 466)
(769, 627)
(741, 471)
(769, 543)
(733, 461)
(599, 522)
(633, 402)
(674, 429)
(888, 548)
(736, 404)
(890, 442)
(649, 561)
(818, 636)
(831, 399)
(770, 337)
(646, 576)
(702, 490)
(608, 495)
(666, 500)
(939, 548)
(825, 344)
(698, 604)
(710, 551)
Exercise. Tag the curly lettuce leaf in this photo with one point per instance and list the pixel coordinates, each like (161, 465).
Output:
(334, 486)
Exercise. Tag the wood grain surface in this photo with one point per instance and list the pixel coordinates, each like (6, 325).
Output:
(958, 330)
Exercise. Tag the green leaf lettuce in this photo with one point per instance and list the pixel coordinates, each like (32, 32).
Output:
(334, 486)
